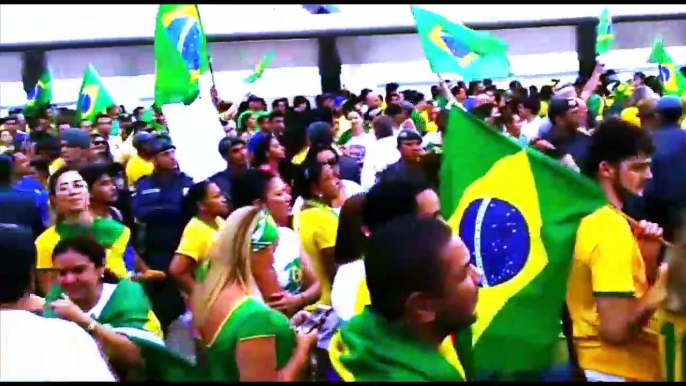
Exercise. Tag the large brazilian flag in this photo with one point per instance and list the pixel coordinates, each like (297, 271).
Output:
(518, 212)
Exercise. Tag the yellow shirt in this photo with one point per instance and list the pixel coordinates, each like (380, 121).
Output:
(543, 112)
(608, 262)
(197, 238)
(630, 114)
(317, 228)
(114, 261)
(342, 125)
(55, 165)
(672, 329)
(300, 157)
(137, 168)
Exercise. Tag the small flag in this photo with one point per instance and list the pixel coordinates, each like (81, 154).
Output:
(40, 95)
(453, 48)
(261, 66)
(605, 33)
(517, 212)
(180, 54)
(673, 81)
(93, 97)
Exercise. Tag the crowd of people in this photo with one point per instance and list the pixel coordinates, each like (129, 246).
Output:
(320, 252)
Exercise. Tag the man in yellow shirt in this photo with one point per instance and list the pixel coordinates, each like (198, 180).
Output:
(140, 164)
(609, 289)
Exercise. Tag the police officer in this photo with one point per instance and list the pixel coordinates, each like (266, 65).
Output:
(408, 167)
(157, 209)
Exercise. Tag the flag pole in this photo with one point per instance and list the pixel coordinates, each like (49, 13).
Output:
(209, 62)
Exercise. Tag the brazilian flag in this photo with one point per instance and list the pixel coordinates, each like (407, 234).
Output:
(40, 95)
(517, 211)
(93, 97)
(673, 81)
(453, 48)
(180, 54)
(261, 66)
(605, 33)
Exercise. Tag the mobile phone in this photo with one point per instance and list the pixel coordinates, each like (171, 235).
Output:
(316, 319)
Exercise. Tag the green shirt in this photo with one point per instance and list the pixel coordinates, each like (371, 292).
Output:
(250, 319)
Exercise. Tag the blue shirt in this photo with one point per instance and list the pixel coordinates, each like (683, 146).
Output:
(28, 184)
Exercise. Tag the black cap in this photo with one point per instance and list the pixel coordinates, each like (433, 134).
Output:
(76, 138)
(227, 143)
(319, 133)
(92, 172)
(559, 106)
(408, 135)
(160, 144)
(141, 139)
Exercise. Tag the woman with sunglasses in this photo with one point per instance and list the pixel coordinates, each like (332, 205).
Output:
(317, 223)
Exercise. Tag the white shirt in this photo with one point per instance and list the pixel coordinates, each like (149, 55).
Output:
(33, 348)
(115, 143)
(530, 129)
(286, 254)
(344, 288)
(383, 153)
(357, 146)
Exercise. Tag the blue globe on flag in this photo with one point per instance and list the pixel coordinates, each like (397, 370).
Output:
(86, 103)
(34, 93)
(185, 32)
(665, 74)
(497, 236)
(457, 48)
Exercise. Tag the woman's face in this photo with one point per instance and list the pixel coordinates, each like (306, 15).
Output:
(278, 200)
(76, 274)
(215, 201)
(71, 193)
(355, 119)
(329, 180)
(276, 151)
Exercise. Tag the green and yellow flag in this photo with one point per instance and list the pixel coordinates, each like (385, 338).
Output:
(93, 97)
(673, 81)
(453, 48)
(517, 211)
(40, 95)
(605, 33)
(180, 54)
(261, 66)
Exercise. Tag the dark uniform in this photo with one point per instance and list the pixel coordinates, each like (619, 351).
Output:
(157, 207)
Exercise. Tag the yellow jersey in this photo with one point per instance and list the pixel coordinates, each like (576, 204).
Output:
(607, 262)
(197, 238)
(672, 328)
(136, 169)
(317, 227)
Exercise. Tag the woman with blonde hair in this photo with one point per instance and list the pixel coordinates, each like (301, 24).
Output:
(245, 340)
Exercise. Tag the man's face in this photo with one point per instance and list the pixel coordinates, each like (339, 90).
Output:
(63, 126)
(104, 191)
(72, 154)
(411, 151)
(327, 102)
(281, 106)
(5, 137)
(86, 126)
(633, 174)
(461, 94)
(394, 99)
(637, 81)
(104, 125)
(456, 308)
(255, 105)
(21, 165)
(277, 124)
(524, 112)
(238, 155)
(166, 160)
(373, 101)
(429, 204)
(11, 125)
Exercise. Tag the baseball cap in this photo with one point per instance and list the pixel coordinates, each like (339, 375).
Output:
(256, 139)
(76, 138)
(226, 143)
(559, 106)
(141, 138)
(160, 144)
(319, 133)
(408, 135)
(92, 172)
(339, 101)
(669, 102)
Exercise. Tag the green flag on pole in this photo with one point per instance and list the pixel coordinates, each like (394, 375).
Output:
(453, 48)
(93, 97)
(605, 33)
(517, 212)
(261, 66)
(40, 95)
(180, 54)
(673, 81)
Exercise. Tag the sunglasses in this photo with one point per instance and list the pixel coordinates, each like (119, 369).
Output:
(99, 143)
(333, 162)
